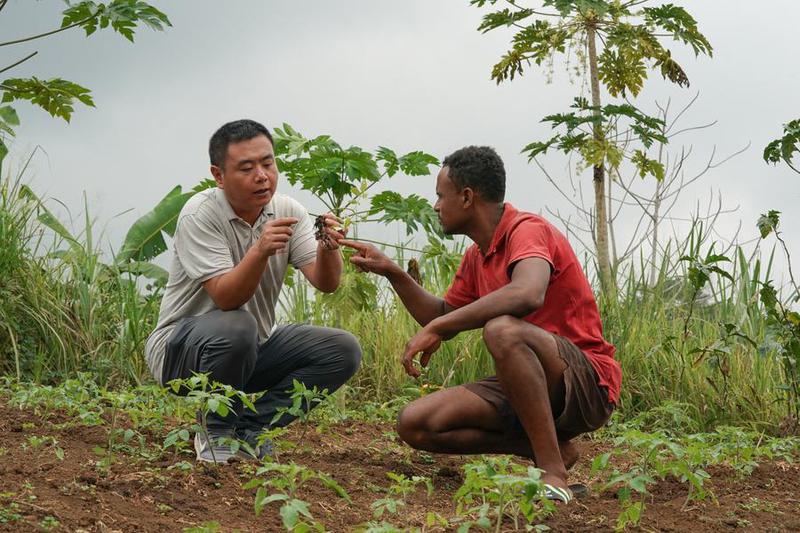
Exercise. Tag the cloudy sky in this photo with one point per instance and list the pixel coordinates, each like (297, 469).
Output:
(407, 75)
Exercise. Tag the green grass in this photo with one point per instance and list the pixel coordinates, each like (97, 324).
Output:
(64, 310)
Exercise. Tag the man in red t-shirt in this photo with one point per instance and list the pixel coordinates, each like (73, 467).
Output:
(522, 283)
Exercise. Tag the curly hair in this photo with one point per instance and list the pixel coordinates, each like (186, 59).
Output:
(479, 168)
(231, 133)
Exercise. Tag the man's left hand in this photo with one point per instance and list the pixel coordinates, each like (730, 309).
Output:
(426, 342)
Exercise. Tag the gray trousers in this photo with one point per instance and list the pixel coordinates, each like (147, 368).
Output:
(224, 344)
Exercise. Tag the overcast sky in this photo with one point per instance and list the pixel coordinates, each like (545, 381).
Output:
(407, 75)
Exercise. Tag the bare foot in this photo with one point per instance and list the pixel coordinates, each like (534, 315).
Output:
(569, 453)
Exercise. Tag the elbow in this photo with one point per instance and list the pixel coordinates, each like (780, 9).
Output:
(524, 305)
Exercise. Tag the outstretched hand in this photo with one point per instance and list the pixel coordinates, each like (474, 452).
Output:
(425, 342)
(368, 258)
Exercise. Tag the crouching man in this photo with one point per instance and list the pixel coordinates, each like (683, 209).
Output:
(520, 282)
(232, 246)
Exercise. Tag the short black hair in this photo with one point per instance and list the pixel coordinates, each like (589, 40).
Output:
(233, 132)
(480, 169)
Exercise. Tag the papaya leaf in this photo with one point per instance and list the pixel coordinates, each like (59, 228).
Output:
(767, 223)
(413, 210)
(56, 96)
(123, 16)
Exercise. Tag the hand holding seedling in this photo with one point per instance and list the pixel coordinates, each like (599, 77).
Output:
(369, 259)
(426, 342)
(276, 235)
(329, 230)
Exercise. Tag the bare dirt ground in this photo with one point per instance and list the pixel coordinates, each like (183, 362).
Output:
(134, 494)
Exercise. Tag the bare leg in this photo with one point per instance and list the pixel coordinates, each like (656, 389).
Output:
(457, 421)
(531, 373)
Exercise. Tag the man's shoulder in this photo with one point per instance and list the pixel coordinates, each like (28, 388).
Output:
(202, 203)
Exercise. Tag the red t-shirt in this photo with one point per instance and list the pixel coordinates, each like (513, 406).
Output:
(569, 308)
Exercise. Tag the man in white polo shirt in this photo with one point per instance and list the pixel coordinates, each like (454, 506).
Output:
(232, 247)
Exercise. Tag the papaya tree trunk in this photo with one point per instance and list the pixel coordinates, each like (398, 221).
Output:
(607, 283)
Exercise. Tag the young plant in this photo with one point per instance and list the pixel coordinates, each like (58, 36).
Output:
(207, 397)
(303, 401)
(398, 493)
(277, 482)
(495, 488)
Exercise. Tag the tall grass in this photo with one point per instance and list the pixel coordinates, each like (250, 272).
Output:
(64, 310)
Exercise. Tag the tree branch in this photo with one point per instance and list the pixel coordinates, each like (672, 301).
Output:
(24, 59)
(46, 34)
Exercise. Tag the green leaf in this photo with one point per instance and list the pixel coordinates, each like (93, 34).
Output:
(334, 486)
(47, 218)
(56, 96)
(417, 163)
(291, 512)
(786, 147)
(123, 16)
(145, 238)
(767, 223)
(647, 166)
(412, 210)
(505, 17)
(146, 269)
(678, 22)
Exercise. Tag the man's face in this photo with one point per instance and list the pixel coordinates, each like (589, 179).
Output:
(449, 203)
(249, 175)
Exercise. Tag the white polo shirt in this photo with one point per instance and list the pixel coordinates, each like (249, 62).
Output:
(210, 239)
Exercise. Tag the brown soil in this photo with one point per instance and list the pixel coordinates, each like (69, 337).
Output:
(132, 494)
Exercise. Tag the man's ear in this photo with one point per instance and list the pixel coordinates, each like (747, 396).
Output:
(217, 173)
(467, 197)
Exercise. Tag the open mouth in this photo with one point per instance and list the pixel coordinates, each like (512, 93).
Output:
(262, 192)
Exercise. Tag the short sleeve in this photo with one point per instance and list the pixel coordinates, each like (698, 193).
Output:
(201, 248)
(530, 238)
(303, 244)
(464, 289)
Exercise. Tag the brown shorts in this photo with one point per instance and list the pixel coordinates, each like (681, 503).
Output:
(586, 405)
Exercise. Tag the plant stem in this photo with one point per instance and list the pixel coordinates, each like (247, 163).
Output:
(46, 34)
(24, 59)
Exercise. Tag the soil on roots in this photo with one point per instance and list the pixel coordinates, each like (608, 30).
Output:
(51, 468)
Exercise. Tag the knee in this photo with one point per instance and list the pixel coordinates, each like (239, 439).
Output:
(349, 352)
(237, 332)
(411, 427)
(500, 333)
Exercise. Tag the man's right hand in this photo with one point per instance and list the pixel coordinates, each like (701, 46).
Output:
(369, 259)
(276, 235)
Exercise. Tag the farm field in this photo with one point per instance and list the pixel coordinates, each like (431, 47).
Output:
(94, 467)
(263, 199)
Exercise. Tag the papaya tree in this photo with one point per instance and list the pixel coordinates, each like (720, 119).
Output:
(343, 178)
(58, 96)
(617, 43)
